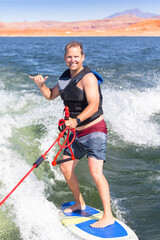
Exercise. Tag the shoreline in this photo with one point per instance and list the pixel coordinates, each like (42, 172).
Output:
(55, 33)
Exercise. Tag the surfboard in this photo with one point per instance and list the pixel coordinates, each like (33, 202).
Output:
(78, 222)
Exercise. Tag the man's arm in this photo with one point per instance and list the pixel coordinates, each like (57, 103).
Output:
(48, 93)
(90, 86)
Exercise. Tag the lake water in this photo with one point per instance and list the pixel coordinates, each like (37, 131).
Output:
(131, 102)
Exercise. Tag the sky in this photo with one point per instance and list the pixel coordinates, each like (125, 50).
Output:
(69, 10)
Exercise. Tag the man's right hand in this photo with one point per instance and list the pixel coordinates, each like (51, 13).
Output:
(39, 80)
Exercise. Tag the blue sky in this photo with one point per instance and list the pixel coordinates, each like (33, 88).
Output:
(69, 10)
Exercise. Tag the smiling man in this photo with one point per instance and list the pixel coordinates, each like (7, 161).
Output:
(79, 90)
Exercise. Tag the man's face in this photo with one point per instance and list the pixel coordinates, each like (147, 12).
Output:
(74, 58)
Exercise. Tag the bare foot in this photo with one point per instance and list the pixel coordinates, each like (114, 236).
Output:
(103, 222)
(75, 207)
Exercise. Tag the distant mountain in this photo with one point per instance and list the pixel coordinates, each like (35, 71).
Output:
(135, 12)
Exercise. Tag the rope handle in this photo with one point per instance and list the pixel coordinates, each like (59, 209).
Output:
(62, 123)
(66, 143)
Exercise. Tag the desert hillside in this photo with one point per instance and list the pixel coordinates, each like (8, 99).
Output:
(123, 25)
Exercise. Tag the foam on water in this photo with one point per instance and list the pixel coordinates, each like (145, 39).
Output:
(35, 216)
(131, 115)
(130, 68)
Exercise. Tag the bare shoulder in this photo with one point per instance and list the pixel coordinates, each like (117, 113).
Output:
(89, 79)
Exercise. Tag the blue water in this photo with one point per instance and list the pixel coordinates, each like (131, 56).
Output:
(131, 102)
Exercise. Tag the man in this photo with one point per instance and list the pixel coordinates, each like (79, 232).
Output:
(78, 87)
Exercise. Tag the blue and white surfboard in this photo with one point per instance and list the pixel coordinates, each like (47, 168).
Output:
(78, 222)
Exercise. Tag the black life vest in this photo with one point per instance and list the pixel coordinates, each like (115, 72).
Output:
(74, 97)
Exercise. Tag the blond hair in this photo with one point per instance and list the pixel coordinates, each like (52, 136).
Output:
(74, 44)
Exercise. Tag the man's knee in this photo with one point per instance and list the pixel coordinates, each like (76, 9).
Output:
(67, 168)
(95, 171)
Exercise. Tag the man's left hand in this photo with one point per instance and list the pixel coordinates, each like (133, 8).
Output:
(71, 123)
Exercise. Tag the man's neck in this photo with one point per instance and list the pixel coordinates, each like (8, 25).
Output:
(73, 73)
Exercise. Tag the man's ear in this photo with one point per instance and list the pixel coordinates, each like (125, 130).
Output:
(83, 57)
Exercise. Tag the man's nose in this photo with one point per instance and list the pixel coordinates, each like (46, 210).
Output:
(72, 59)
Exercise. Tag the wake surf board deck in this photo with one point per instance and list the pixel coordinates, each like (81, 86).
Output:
(78, 222)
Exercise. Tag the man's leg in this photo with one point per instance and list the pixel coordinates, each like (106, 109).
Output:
(96, 171)
(67, 168)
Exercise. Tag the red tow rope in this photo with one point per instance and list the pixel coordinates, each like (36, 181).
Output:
(65, 144)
